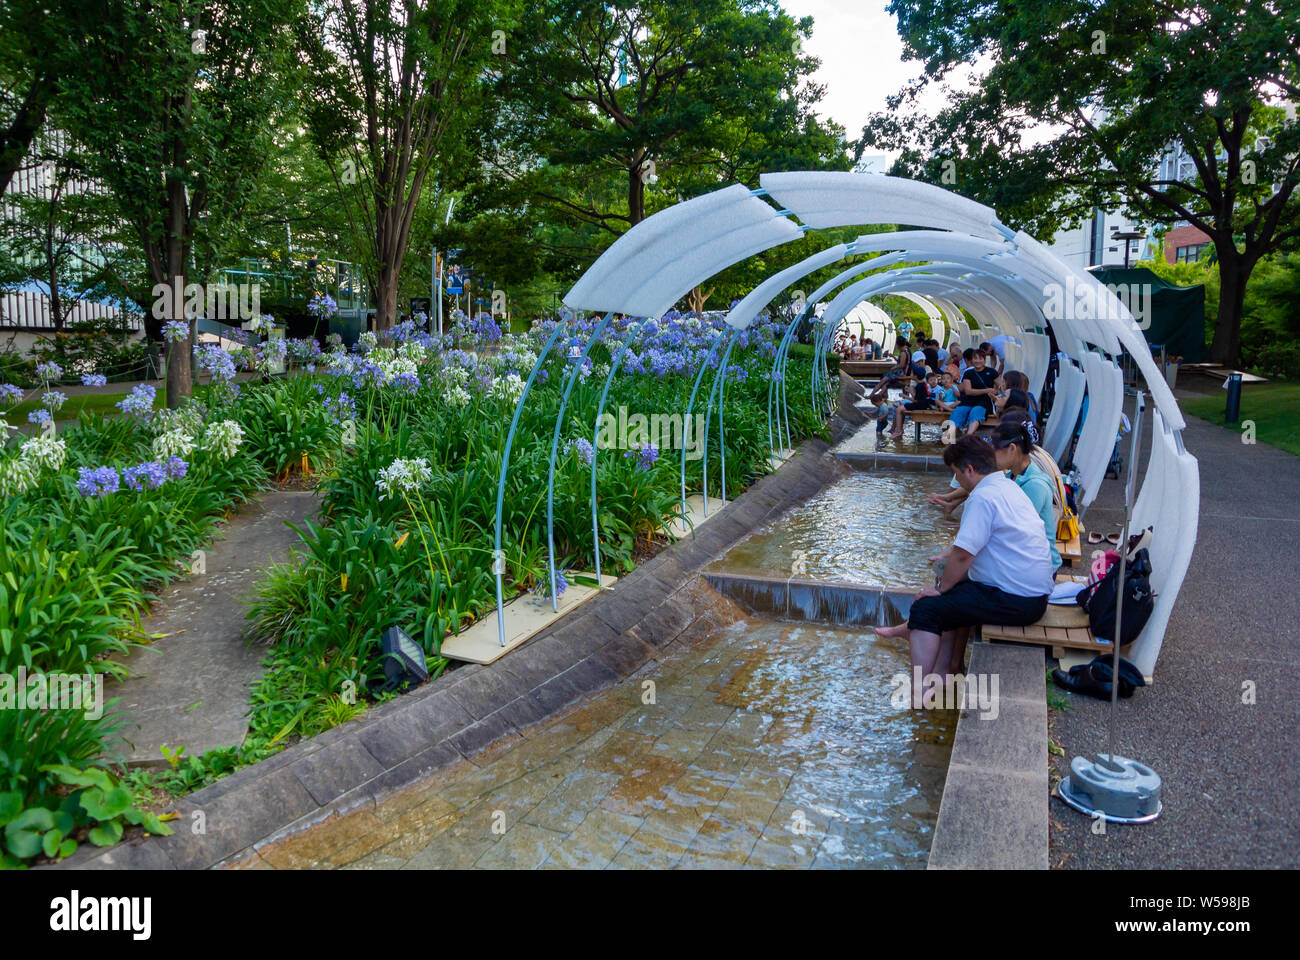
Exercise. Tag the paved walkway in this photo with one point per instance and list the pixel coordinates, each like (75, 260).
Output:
(1229, 770)
(190, 688)
(765, 745)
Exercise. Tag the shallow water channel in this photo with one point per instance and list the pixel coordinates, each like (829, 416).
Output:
(868, 528)
(766, 744)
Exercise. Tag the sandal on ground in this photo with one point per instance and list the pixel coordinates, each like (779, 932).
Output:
(1113, 539)
(1095, 537)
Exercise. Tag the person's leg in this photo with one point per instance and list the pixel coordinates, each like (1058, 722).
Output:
(925, 655)
(976, 418)
(898, 423)
(957, 655)
(960, 414)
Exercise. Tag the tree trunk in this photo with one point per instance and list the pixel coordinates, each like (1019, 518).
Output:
(635, 195)
(386, 298)
(180, 381)
(16, 139)
(56, 305)
(1234, 271)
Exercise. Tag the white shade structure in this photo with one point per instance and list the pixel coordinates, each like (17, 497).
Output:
(961, 263)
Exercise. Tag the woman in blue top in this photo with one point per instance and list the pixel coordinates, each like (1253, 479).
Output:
(1013, 442)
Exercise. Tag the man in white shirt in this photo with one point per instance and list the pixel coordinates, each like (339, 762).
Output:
(998, 569)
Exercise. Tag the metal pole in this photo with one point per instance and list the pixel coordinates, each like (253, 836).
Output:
(1233, 408)
(1123, 565)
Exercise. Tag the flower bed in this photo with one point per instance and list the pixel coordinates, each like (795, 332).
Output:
(407, 438)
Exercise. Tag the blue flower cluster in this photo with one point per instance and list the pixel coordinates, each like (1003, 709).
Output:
(99, 482)
(140, 402)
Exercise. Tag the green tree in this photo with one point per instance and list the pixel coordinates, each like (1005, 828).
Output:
(185, 131)
(391, 86)
(1083, 98)
(34, 52)
(610, 111)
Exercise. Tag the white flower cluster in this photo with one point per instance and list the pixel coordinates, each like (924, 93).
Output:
(223, 438)
(391, 363)
(403, 477)
(454, 376)
(368, 340)
(17, 475)
(510, 387)
(187, 419)
(45, 451)
(173, 443)
(456, 395)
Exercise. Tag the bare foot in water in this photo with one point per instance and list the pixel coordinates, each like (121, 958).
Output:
(899, 631)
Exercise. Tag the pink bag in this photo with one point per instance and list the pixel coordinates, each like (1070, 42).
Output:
(1101, 565)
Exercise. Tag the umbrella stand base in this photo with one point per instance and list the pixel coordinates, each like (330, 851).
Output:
(1122, 791)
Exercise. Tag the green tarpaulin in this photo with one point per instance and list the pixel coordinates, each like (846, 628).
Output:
(1177, 314)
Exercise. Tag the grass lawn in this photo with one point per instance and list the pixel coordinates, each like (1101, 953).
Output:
(1275, 408)
(97, 402)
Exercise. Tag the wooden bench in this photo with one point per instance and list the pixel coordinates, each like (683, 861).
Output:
(1221, 372)
(861, 369)
(919, 417)
(1061, 628)
(1071, 551)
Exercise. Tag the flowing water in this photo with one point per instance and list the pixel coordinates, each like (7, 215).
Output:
(869, 528)
(758, 744)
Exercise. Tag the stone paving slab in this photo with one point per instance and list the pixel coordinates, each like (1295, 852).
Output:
(190, 689)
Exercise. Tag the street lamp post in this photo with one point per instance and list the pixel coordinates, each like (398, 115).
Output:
(1128, 236)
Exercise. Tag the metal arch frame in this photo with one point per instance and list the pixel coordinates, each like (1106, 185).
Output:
(832, 200)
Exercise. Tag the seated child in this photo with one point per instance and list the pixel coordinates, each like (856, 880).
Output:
(921, 399)
(945, 396)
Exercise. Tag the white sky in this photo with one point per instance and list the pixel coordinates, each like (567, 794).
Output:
(862, 59)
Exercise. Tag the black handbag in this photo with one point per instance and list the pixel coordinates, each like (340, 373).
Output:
(1101, 600)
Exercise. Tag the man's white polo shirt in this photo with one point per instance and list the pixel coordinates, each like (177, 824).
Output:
(1000, 526)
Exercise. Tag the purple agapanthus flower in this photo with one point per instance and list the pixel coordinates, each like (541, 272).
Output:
(407, 382)
(148, 475)
(175, 467)
(584, 448)
(94, 380)
(99, 482)
(140, 401)
(38, 416)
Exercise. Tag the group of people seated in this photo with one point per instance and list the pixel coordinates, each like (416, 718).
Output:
(1001, 566)
(849, 347)
(970, 385)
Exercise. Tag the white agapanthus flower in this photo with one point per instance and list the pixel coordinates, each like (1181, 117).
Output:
(402, 478)
(455, 376)
(509, 387)
(456, 395)
(45, 452)
(413, 351)
(173, 443)
(223, 438)
(17, 475)
(369, 340)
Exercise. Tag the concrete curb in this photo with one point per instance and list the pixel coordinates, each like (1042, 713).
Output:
(474, 707)
(993, 815)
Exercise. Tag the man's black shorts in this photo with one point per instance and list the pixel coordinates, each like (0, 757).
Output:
(969, 604)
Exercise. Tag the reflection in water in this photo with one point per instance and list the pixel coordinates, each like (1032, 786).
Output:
(865, 528)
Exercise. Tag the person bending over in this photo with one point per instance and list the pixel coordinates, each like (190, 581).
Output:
(1014, 442)
(998, 569)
